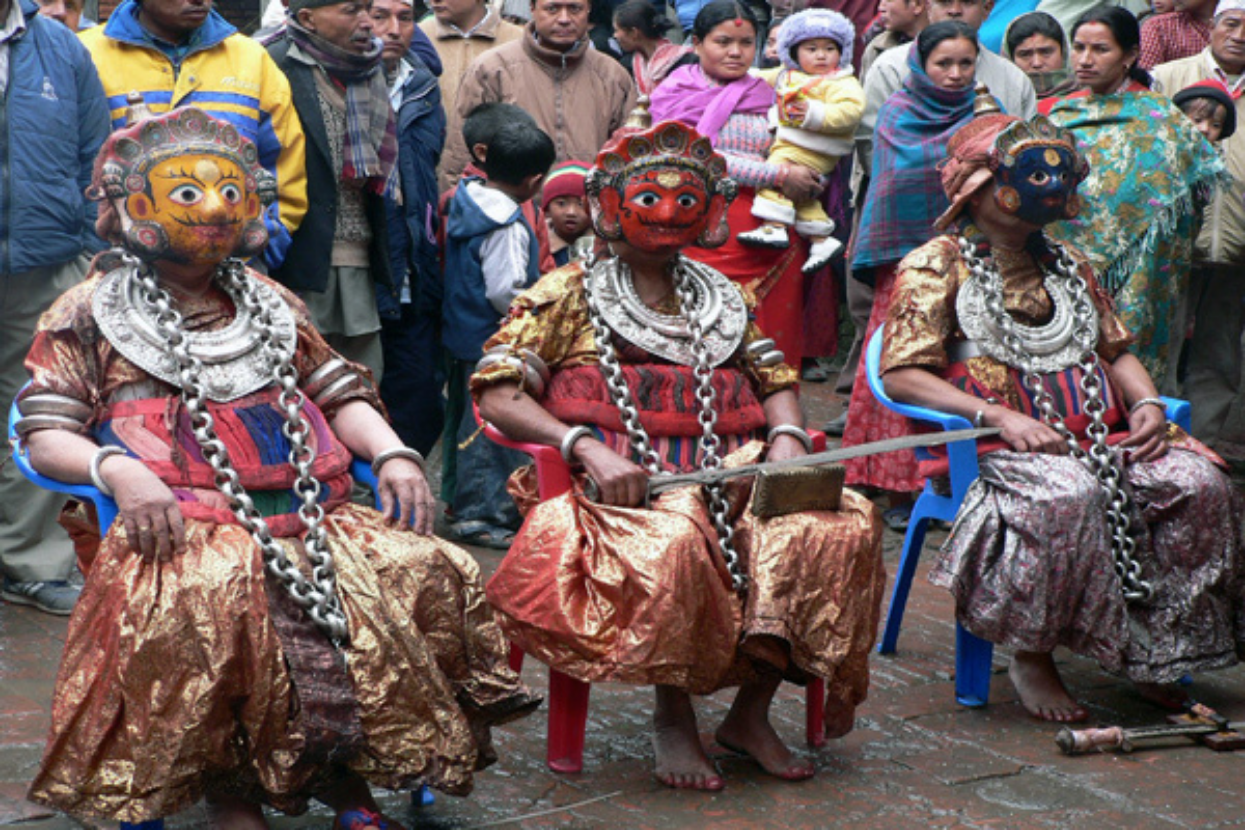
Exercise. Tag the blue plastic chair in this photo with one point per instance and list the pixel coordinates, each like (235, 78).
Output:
(106, 510)
(973, 655)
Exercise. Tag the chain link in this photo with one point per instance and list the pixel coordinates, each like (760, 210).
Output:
(1099, 458)
(317, 597)
(710, 443)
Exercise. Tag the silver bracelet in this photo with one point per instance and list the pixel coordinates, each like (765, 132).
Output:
(396, 452)
(568, 441)
(795, 432)
(97, 460)
(979, 419)
(1159, 402)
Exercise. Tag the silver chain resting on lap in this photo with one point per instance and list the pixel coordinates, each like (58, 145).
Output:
(317, 596)
(710, 444)
(1098, 458)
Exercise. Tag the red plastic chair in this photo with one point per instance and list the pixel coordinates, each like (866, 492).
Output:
(568, 697)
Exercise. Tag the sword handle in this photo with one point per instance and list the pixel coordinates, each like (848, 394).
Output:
(1080, 741)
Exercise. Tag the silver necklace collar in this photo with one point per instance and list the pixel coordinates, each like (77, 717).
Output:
(1050, 347)
(233, 360)
(716, 306)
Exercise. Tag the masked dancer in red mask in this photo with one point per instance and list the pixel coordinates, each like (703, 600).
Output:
(644, 363)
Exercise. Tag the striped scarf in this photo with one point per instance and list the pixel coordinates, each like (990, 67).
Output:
(906, 196)
(370, 148)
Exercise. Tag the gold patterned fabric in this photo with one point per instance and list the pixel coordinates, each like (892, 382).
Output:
(175, 683)
(641, 595)
(921, 324)
(634, 595)
(551, 319)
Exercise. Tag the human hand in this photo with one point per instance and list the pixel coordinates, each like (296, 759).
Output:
(795, 111)
(1147, 431)
(619, 481)
(404, 495)
(1025, 434)
(148, 509)
(784, 447)
(802, 184)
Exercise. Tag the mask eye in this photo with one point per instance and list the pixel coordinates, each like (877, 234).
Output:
(646, 200)
(1039, 178)
(231, 193)
(186, 194)
(687, 200)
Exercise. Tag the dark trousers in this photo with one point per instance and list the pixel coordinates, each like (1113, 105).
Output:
(411, 384)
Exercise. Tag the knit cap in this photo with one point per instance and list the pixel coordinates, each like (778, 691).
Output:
(813, 23)
(1213, 89)
(565, 179)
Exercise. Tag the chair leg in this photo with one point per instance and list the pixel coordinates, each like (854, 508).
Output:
(815, 713)
(973, 661)
(913, 541)
(568, 718)
(154, 824)
(516, 658)
(422, 797)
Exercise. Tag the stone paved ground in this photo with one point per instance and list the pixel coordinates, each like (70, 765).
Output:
(916, 758)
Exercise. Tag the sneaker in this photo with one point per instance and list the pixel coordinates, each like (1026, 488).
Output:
(766, 236)
(56, 597)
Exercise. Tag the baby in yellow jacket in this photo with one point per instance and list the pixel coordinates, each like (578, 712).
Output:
(819, 104)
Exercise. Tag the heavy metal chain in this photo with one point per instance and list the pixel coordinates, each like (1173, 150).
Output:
(317, 597)
(1099, 458)
(710, 444)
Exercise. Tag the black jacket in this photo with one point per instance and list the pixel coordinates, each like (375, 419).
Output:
(306, 266)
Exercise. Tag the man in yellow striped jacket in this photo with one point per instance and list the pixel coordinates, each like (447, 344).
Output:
(182, 53)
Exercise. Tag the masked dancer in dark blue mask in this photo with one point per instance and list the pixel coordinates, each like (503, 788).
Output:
(1095, 524)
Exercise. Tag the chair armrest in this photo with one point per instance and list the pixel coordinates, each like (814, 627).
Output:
(873, 359)
(553, 475)
(105, 506)
(1179, 413)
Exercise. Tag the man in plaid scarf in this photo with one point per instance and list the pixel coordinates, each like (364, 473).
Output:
(341, 251)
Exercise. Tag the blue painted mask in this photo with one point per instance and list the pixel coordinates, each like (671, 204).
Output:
(1038, 184)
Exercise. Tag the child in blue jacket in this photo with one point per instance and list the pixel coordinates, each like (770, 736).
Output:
(491, 257)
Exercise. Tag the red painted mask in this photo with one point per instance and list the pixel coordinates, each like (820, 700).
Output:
(660, 190)
(660, 209)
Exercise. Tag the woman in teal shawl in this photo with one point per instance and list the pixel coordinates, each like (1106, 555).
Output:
(904, 199)
(1150, 173)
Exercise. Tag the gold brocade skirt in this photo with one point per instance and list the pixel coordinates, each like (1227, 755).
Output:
(174, 683)
(641, 596)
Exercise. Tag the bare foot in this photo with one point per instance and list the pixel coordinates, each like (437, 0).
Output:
(839, 721)
(747, 730)
(230, 813)
(1041, 690)
(1168, 696)
(681, 759)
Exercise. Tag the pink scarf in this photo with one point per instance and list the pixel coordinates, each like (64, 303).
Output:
(688, 96)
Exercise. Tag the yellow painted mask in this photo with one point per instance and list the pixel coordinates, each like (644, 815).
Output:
(189, 189)
(200, 202)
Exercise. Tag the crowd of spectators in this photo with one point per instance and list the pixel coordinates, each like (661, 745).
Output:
(386, 123)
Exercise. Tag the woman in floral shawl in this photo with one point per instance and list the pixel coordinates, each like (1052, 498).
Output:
(1149, 172)
(904, 199)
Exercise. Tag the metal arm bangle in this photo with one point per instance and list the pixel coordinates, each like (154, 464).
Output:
(568, 441)
(96, 460)
(795, 432)
(1159, 402)
(396, 452)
